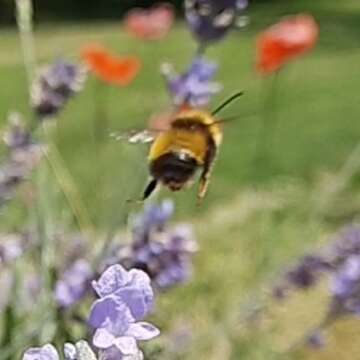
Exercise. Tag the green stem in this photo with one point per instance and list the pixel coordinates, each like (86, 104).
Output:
(269, 119)
(101, 119)
(68, 187)
(24, 17)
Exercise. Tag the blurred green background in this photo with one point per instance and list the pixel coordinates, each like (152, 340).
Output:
(260, 214)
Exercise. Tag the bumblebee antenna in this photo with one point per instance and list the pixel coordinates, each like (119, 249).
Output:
(227, 102)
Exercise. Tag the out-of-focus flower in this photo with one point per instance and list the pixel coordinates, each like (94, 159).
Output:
(16, 136)
(316, 340)
(55, 85)
(285, 41)
(110, 68)
(346, 244)
(152, 24)
(11, 247)
(210, 20)
(24, 155)
(339, 261)
(164, 254)
(306, 273)
(126, 297)
(153, 218)
(47, 352)
(195, 87)
(346, 287)
(74, 284)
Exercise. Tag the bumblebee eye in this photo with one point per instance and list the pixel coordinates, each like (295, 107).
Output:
(224, 18)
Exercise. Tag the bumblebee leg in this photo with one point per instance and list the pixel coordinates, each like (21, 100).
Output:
(206, 173)
(150, 189)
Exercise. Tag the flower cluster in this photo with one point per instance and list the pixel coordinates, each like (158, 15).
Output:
(210, 21)
(126, 297)
(340, 261)
(54, 86)
(164, 254)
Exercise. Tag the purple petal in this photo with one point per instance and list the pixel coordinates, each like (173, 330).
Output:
(111, 313)
(111, 280)
(142, 331)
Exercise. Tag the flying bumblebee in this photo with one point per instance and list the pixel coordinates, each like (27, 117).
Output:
(190, 144)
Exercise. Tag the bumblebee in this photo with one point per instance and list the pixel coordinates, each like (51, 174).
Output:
(190, 144)
(176, 155)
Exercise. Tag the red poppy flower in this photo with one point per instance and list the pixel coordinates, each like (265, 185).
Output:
(109, 68)
(150, 24)
(286, 40)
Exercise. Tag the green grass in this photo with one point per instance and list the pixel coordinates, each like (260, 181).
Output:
(259, 214)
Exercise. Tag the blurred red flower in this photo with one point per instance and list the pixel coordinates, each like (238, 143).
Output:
(286, 40)
(110, 68)
(152, 24)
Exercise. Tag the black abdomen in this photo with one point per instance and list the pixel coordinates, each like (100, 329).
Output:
(174, 169)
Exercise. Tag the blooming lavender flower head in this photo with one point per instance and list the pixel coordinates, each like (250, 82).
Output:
(211, 20)
(195, 87)
(126, 297)
(74, 284)
(55, 85)
(165, 254)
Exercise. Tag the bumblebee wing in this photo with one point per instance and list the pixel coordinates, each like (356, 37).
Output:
(135, 136)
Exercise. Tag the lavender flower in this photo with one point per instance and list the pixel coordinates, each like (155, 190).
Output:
(346, 244)
(125, 298)
(74, 284)
(55, 85)
(211, 20)
(23, 156)
(164, 254)
(306, 273)
(153, 218)
(345, 287)
(340, 261)
(195, 86)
